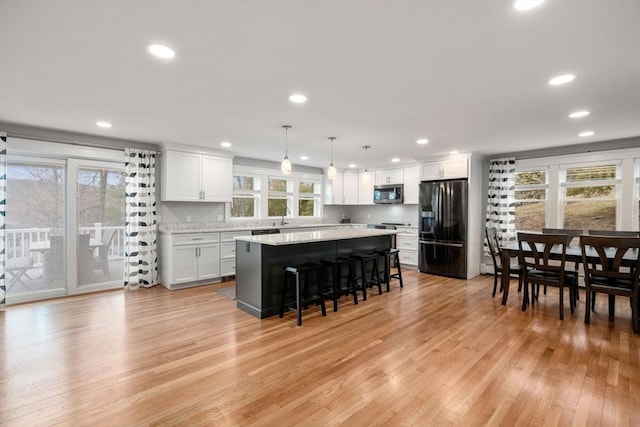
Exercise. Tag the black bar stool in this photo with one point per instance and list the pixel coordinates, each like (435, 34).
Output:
(337, 267)
(374, 279)
(391, 257)
(303, 295)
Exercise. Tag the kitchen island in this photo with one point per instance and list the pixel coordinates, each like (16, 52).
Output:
(260, 260)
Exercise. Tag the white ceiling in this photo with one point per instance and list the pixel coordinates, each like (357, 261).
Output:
(467, 75)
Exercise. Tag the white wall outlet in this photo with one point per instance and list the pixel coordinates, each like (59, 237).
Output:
(220, 217)
(188, 218)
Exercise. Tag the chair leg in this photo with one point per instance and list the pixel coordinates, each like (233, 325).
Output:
(634, 313)
(561, 290)
(399, 270)
(525, 297)
(587, 312)
(495, 285)
(352, 282)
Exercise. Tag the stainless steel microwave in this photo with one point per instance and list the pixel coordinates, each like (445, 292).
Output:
(388, 194)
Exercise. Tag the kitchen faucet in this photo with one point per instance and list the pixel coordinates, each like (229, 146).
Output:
(286, 210)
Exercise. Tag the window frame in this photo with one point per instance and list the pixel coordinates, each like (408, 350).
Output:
(532, 187)
(292, 193)
(248, 194)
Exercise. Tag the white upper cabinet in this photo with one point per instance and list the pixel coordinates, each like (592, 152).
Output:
(445, 169)
(350, 188)
(389, 176)
(411, 185)
(365, 191)
(333, 191)
(195, 177)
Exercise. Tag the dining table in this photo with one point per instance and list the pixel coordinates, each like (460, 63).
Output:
(572, 254)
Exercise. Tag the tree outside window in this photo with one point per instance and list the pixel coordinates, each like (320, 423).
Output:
(246, 195)
(278, 202)
(308, 198)
(531, 199)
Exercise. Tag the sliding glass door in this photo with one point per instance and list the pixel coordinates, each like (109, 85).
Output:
(35, 228)
(98, 225)
(64, 226)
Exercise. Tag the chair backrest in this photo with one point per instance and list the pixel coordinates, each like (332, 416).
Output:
(611, 233)
(608, 257)
(573, 233)
(491, 234)
(539, 249)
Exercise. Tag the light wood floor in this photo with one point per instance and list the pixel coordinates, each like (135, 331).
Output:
(438, 352)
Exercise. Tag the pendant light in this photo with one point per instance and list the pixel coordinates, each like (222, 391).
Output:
(331, 170)
(285, 166)
(365, 175)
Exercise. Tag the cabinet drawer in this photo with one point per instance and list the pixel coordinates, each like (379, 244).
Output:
(228, 267)
(228, 250)
(408, 231)
(228, 236)
(195, 238)
(408, 257)
(407, 242)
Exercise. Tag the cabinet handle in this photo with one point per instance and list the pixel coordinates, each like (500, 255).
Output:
(196, 238)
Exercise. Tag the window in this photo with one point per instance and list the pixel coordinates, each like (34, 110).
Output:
(280, 196)
(308, 198)
(246, 196)
(531, 199)
(589, 193)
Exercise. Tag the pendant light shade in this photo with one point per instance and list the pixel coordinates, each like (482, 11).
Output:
(331, 170)
(365, 175)
(285, 165)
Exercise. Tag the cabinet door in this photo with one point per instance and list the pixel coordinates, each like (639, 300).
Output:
(185, 264)
(350, 188)
(391, 176)
(209, 261)
(365, 192)
(217, 178)
(411, 185)
(431, 171)
(180, 176)
(455, 168)
(336, 190)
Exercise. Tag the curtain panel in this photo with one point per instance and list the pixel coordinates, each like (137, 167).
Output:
(141, 255)
(3, 187)
(501, 200)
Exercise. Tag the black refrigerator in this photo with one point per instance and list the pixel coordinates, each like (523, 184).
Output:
(443, 228)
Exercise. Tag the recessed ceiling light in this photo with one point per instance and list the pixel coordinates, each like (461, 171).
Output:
(560, 80)
(352, 165)
(298, 98)
(395, 160)
(422, 141)
(225, 144)
(527, 4)
(586, 133)
(454, 152)
(103, 124)
(578, 114)
(304, 157)
(161, 51)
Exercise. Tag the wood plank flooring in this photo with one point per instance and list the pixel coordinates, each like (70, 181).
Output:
(438, 352)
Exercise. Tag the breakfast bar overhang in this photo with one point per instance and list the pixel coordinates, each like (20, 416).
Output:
(260, 260)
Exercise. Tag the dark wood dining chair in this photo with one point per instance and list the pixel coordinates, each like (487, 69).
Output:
(612, 266)
(574, 240)
(491, 234)
(537, 251)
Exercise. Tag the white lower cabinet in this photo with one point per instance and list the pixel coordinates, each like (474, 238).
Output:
(407, 243)
(189, 259)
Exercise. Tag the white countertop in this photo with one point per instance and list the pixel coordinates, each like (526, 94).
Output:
(195, 228)
(315, 236)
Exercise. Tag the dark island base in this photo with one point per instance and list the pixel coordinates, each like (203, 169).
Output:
(260, 267)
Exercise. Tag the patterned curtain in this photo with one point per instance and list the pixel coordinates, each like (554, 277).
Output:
(3, 187)
(140, 225)
(501, 200)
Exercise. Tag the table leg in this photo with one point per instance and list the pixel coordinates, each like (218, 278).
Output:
(506, 271)
(612, 305)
